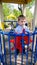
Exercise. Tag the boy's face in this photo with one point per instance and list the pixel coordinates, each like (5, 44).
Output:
(22, 21)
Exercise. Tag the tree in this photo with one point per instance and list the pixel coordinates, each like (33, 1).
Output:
(13, 16)
(16, 12)
(29, 15)
(29, 5)
(6, 10)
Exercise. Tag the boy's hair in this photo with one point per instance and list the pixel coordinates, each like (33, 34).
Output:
(21, 16)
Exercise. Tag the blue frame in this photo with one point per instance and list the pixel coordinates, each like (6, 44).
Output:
(11, 33)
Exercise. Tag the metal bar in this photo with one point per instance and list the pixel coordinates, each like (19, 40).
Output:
(15, 51)
(22, 50)
(9, 48)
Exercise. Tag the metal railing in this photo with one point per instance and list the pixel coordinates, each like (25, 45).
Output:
(9, 57)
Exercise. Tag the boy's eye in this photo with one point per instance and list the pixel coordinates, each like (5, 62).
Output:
(22, 21)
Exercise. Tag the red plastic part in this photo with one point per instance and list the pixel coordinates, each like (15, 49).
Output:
(18, 42)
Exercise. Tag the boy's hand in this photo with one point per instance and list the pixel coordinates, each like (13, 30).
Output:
(25, 42)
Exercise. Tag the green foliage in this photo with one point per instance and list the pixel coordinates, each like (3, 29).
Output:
(16, 12)
(29, 15)
(29, 5)
(11, 17)
(5, 10)
(5, 26)
(8, 9)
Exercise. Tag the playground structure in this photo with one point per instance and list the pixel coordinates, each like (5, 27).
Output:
(8, 58)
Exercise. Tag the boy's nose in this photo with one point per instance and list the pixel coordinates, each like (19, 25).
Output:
(23, 22)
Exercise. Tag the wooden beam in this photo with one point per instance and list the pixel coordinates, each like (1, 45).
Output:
(16, 1)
